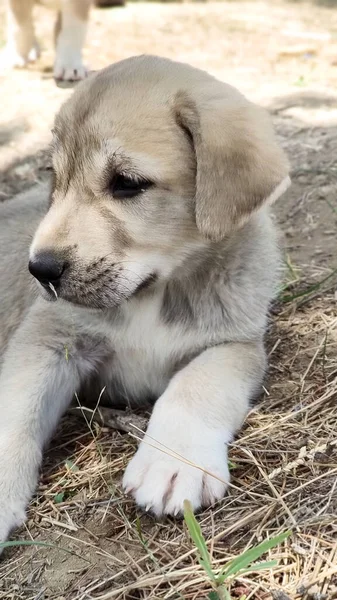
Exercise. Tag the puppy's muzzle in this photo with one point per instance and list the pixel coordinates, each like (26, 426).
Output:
(47, 268)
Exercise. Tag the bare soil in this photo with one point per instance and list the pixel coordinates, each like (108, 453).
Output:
(280, 54)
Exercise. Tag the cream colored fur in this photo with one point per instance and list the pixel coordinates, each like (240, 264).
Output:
(163, 291)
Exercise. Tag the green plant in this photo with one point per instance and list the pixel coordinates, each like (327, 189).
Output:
(308, 290)
(244, 563)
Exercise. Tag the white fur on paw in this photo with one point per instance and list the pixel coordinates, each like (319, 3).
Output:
(161, 483)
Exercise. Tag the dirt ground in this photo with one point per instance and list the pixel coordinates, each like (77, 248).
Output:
(280, 54)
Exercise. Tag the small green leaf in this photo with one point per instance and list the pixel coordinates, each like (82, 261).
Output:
(13, 543)
(71, 466)
(262, 566)
(213, 596)
(198, 539)
(139, 531)
(245, 559)
(232, 465)
(59, 497)
(309, 290)
(300, 82)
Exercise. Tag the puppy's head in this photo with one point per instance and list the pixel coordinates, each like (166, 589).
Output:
(152, 160)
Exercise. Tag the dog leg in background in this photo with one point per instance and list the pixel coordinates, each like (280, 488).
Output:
(196, 417)
(70, 32)
(21, 47)
(37, 382)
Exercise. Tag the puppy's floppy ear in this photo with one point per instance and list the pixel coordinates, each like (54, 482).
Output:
(239, 164)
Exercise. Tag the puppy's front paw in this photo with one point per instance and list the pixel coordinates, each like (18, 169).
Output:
(160, 482)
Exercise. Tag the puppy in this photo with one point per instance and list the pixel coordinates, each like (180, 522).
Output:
(70, 30)
(156, 261)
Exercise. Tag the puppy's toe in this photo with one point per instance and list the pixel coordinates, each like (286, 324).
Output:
(213, 489)
(188, 486)
(156, 488)
(200, 489)
(134, 474)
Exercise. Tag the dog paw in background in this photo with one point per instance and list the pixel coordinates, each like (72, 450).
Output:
(21, 47)
(68, 64)
(70, 31)
(12, 57)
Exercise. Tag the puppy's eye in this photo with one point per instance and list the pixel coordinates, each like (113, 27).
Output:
(125, 187)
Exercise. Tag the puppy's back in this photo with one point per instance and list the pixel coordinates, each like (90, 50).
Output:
(19, 218)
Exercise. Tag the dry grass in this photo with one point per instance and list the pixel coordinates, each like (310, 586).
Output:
(284, 476)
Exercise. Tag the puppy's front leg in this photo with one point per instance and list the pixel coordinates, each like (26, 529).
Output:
(198, 414)
(42, 368)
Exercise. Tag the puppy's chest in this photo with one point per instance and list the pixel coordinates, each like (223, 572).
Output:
(147, 352)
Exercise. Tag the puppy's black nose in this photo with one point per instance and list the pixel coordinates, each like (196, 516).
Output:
(47, 268)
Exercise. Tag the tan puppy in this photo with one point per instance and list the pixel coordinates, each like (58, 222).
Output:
(158, 251)
(70, 30)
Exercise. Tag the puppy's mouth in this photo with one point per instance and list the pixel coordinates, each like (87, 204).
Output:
(102, 291)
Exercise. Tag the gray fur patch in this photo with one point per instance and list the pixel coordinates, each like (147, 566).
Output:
(146, 284)
(176, 306)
